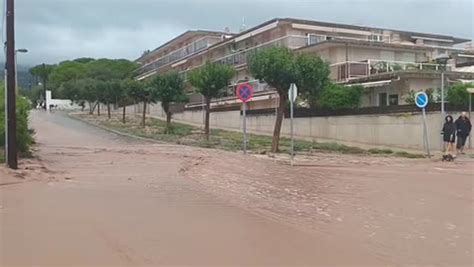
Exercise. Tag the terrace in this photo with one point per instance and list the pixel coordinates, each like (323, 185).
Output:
(345, 71)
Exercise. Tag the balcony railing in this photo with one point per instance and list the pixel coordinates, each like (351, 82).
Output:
(240, 57)
(183, 52)
(345, 71)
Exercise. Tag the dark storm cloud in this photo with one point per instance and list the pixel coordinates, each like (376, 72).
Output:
(54, 30)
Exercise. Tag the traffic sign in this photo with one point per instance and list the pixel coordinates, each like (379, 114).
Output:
(244, 92)
(292, 92)
(421, 99)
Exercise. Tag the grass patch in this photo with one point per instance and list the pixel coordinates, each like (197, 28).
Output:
(227, 140)
(405, 154)
(377, 151)
(2, 157)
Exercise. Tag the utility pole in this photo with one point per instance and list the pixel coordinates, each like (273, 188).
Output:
(44, 85)
(10, 133)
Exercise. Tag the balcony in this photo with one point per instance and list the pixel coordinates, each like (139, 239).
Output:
(239, 58)
(344, 71)
(192, 48)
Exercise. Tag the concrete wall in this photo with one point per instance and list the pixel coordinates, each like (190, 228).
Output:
(63, 104)
(396, 130)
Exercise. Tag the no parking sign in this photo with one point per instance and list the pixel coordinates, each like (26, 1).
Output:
(244, 92)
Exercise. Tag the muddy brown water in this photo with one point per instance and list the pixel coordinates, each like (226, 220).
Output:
(109, 200)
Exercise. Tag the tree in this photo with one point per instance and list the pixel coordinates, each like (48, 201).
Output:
(81, 90)
(83, 60)
(68, 71)
(109, 92)
(142, 93)
(169, 89)
(336, 96)
(312, 76)
(276, 67)
(279, 67)
(211, 80)
(458, 94)
(43, 73)
(125, 97)
(110, 69)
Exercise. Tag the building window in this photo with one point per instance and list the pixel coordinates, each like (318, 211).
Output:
(376, 38)
(315, 38)
(393, 100)
(382, 99)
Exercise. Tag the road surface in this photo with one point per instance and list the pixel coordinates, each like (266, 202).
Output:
(96, 198)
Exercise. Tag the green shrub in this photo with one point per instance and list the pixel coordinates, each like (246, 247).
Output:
(24, 134)
(430, 92)
(335, 96)
(458, 95)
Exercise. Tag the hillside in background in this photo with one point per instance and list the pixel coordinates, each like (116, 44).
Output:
(25, 79)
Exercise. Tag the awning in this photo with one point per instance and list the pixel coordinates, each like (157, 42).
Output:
(372, 84)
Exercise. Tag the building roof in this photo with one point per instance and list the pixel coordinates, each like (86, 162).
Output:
(456, 40)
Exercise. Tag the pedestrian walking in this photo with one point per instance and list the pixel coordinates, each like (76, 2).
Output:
(463, 126)
(449, 138)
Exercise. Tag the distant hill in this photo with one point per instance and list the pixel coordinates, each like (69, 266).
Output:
(25, 79)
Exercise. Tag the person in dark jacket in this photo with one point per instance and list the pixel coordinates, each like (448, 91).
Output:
(449, 137)
(463, 126)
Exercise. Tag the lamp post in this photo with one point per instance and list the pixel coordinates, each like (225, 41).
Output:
(470, 91)
(22, 50)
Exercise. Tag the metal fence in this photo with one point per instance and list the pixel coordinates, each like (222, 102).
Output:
(310, 112)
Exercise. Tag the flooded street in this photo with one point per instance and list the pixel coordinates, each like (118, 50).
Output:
(96, 198)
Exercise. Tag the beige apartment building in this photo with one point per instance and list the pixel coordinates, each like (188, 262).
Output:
(388, 63)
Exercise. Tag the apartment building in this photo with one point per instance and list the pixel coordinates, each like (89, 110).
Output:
(389, 63)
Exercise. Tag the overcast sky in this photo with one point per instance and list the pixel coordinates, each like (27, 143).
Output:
(56, 30)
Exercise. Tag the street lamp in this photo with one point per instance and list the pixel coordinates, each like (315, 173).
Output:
(21, 50)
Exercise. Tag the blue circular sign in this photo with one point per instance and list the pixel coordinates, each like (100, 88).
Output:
(421, 99)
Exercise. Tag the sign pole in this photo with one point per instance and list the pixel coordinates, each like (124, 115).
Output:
(425, 133)
(245, 128)
(244, 92)
(292, 132)
(470, 110)
(421, 101)
(292, 93)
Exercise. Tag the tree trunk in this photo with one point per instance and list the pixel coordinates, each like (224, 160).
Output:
(166, 109)
(98, 109)
(278, 123)
(124, 113)
(108, 110)
(144, 114)
(168, 120)
(206, 123)
(91, 108)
